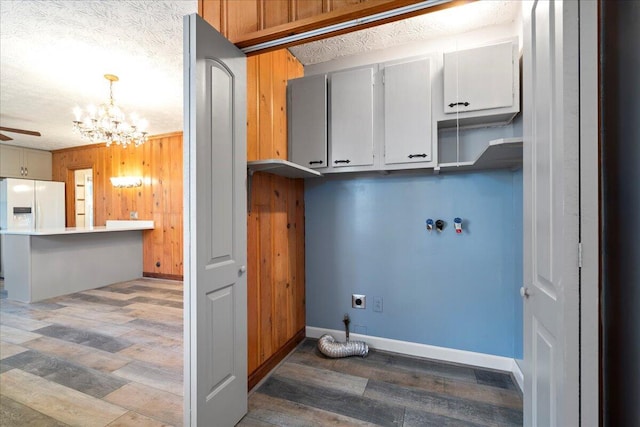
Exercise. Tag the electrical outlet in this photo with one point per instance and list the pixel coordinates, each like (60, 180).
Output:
(377, 304)
(358, 301)
(133, 215)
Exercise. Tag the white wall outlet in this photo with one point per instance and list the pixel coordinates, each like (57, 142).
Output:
(358, 301)
(133, 215)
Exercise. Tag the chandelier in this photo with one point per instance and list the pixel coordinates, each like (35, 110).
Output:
(107, 123)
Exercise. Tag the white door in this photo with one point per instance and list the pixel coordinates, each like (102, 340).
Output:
(215, 228)
(551, 214)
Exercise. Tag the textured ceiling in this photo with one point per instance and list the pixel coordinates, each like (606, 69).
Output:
(443, 23)
(54, 54)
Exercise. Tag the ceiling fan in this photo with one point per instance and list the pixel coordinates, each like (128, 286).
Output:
(4, 137)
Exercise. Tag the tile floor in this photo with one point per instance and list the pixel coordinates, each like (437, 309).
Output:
(383, 389)
(113, 357)
(105, 357)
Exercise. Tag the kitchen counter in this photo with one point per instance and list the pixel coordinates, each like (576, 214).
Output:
(111, 226)
(46, 263)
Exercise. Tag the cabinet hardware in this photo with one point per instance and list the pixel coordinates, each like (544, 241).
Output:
(453, 104)
(423, 155)
(342, 161)
(315, 162)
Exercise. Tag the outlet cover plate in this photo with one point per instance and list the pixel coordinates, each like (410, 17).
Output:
(358, 301)
(377, 304)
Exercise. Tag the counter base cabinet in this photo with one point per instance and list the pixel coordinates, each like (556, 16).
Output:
(407, 112)
(17, 162)
(351, 118)
(45, 266)
(481, 85)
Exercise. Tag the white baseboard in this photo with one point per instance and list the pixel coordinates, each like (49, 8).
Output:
(517, 374)
(464, 357)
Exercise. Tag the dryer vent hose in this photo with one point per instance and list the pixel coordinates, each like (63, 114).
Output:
(331, 348)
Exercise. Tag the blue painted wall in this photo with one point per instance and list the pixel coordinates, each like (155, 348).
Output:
(367, 235)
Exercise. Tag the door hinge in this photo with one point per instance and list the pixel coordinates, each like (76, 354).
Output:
(579, 254)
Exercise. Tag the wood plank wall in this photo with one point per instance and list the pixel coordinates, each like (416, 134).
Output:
(159, 162)
(276, 286)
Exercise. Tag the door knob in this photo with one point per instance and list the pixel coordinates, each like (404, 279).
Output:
(524, 292)
(243, 269)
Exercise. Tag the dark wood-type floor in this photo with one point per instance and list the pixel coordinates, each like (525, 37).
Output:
(113, 357)
(382, 389)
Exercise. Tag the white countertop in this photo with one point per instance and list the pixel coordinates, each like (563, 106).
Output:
(111, 226)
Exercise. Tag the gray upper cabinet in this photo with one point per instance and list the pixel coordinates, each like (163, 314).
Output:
(308, 121)
(351, 118)
(483, 80)
(407, 112)
(17, 162)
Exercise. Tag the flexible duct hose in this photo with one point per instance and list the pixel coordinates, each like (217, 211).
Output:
(330, 348)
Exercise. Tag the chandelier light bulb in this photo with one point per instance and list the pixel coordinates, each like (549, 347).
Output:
(107, 123)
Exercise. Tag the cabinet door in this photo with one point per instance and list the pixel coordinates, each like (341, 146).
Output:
(38, 164)
(479, 79)
(11, 165)
(308, 121)
(352, 118)
(407, 112)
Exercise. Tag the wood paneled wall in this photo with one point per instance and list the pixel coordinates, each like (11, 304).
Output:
(276, 286)
(159, 162)
(249, 22)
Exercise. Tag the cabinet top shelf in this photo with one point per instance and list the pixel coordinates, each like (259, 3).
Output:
(281, 167)
(499, 153)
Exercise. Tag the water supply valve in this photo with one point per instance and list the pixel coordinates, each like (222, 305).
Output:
(429, 225)
(457, 224)
(439, 225)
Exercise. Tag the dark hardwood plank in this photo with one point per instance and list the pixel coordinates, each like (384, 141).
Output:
(495, 379)
(308, 356)
(282, 412)
(361, 408)
(462, 409)
(416, 418)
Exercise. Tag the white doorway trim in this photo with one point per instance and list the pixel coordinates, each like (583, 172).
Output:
(589, 216)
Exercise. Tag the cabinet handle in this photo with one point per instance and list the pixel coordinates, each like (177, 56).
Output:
(423, 155)
(453, 104)
(342, 161)
(315, 162)
(26, 171)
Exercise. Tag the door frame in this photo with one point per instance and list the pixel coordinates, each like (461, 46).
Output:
(590, 378)
(589, 128)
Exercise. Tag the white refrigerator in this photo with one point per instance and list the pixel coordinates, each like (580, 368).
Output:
(26, 204)
(31, 205)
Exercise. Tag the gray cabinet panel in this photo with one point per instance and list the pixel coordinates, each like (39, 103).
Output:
(479, 79)
(308, 121)
(407, 112)
(351, 123)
